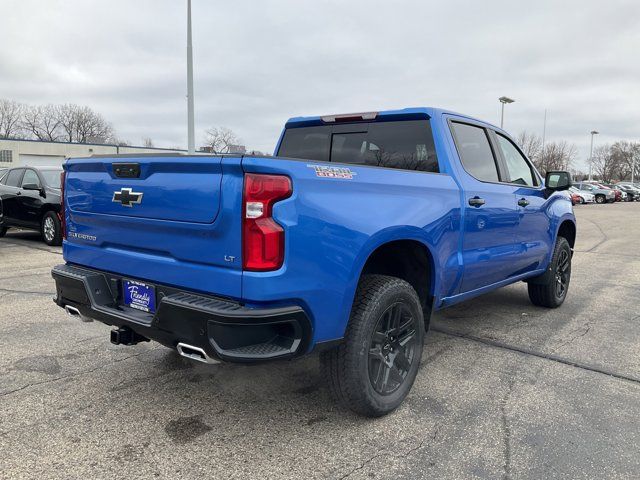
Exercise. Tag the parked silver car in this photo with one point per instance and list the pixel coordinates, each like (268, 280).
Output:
(602, 195)
(585, 197)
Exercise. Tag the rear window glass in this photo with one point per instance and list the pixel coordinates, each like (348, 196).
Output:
(406, 145)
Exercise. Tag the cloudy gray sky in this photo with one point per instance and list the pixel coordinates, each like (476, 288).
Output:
(258, 63)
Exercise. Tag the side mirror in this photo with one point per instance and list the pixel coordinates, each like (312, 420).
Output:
(36, 188)
(556, 181)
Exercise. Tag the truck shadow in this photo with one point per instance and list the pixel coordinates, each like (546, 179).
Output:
(198, 400)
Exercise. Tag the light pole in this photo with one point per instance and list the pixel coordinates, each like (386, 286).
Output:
(544, 135)
(503, 101)
(593, 133)
(190, 115)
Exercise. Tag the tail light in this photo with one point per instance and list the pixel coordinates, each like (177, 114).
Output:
(262, 237)
(62, 215)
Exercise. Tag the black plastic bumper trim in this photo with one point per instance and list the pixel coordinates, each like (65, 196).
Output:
(225, 329)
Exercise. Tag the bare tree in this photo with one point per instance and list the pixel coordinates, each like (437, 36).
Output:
(10, 118)
(221, 139)
(604, 163)
(42, 122)
(531, 144)
(623, 154)
(83, 125)
(556, 156)
(147, 142)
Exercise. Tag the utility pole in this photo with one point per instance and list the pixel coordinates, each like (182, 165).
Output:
(593, 133)
(544, 134)
(190, 114)
(503, 101)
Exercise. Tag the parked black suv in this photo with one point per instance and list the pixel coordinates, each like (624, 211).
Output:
(30, 198)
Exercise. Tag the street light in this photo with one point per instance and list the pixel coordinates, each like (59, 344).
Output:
(190, 123)
(593, 133)
(504, 100)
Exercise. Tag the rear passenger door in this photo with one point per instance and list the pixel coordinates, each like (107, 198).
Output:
(533, 235)
(10, 194)
(489, 209)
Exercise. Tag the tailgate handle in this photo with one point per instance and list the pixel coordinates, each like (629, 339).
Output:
(126, 170)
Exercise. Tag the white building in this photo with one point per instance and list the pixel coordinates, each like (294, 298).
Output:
(36, 153)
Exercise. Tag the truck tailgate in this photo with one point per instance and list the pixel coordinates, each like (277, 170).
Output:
(184, 190)
(168, 221)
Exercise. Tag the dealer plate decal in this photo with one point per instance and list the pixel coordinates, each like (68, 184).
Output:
(139, 296)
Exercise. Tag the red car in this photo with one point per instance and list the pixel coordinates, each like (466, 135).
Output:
(615, 190)
(575, 199)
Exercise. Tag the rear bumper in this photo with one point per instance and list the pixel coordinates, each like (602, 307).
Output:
(225, 330)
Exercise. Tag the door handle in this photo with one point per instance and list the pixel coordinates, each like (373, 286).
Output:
(476, 201)
(523, 202)
(18, 194)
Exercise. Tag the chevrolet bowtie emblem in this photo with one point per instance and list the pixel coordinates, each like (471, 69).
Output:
(127, 197)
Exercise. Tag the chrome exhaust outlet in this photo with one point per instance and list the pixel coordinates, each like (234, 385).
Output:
(75, 313)
(195, 353)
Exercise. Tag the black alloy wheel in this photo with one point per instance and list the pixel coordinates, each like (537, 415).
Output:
(392, 349)
(562, 273)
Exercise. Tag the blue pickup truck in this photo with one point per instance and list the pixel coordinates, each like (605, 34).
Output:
(343, 243)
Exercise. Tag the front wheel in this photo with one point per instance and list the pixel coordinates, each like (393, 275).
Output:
(372, 371)
(51, 229)
(600, 199)
(552, 293)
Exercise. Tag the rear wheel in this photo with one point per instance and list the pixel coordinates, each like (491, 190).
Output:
(51, 229)
(582, 202)
(373, 369)
(600, 199)
(3, 231)
(552, 293)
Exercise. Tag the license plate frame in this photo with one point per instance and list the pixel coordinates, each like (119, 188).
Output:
(139, 295)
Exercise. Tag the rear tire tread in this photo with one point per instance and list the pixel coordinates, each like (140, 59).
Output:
(339, 366)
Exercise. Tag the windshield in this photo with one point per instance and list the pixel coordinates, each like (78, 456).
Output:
(51, 177)
(404, 144)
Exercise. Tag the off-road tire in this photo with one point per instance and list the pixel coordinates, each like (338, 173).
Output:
(346, 368)
(548, 294)
(51, 229)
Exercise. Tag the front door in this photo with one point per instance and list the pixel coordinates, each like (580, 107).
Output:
(533, 235)
(30, 201)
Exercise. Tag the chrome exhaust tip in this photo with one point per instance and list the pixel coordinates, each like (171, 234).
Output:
(195, 353)
(75, 313)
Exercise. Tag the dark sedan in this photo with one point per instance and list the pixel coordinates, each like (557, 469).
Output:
(633, 193)
(30, 198)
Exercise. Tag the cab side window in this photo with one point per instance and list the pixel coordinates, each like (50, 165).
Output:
(30, 177)
(475, 151)
(519, 170)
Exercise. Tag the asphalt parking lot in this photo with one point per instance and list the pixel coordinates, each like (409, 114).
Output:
(506, 389)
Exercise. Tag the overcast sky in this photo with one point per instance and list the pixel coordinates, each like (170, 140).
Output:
(258, 63)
